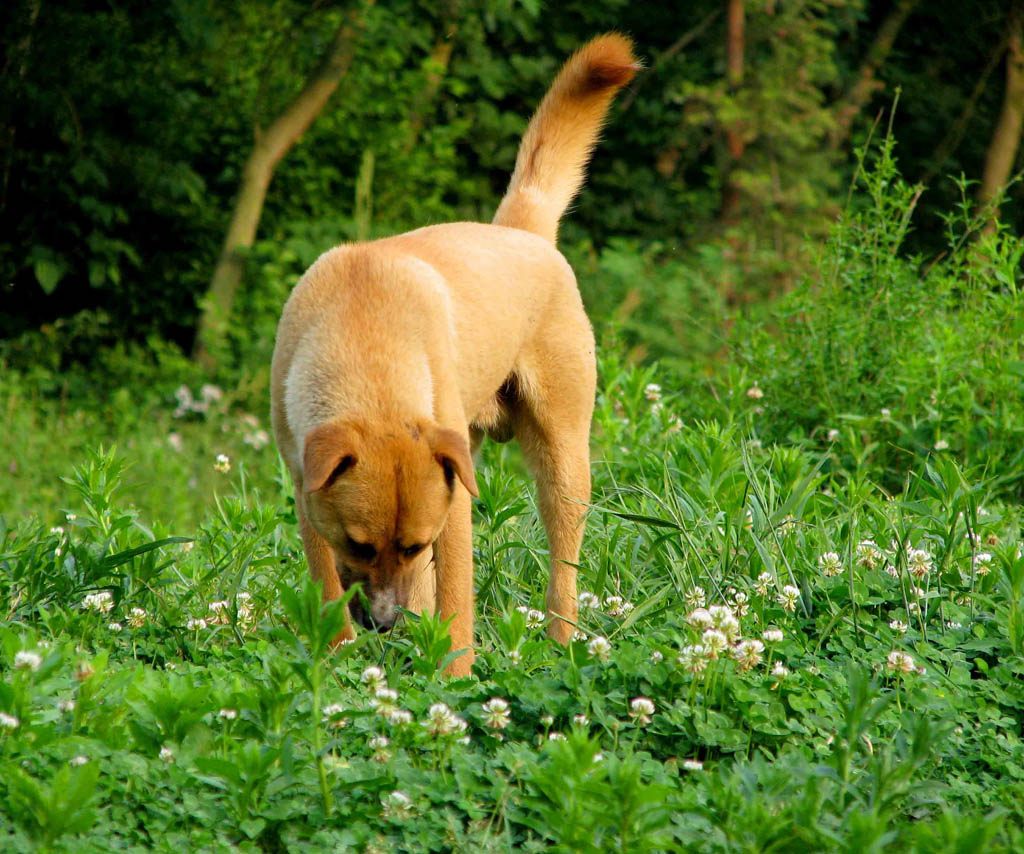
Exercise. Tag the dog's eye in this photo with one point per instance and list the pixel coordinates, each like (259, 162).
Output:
(361, 551)
(412, 551)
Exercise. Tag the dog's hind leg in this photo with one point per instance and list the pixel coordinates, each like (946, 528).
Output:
(552, 423)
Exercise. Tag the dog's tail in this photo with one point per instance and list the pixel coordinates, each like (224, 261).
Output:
(562, 133)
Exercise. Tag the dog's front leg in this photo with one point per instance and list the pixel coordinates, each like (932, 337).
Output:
(454, 556)
(320, 558)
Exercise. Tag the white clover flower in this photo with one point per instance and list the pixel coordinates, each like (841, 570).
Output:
(788, 597)
(765, 582)
(772, 635)
(547, 720)
(496, 714)
(257, 439)
(657, 657)
(700, 618)
(779, 670)
(223, 464)
(57, 529)
(166, 754)
(868, 554)
(373, 678)
(8, 721)
(210, 393)
(748, 653)
(115, 627)
(640, 710)
(730, 627)
(898, 626)
(515, 656)
(399, 717)
(652, 391)
(830, 564)
(919, 562)
(195, 625)
(754, 392)
(886, 413)
(101, 602)
(981, 563)
(720, 614)
(27, 660)
(329, 715)
(599, 647)
(441, 720)
(556, 736)
(66, 706)
(941, 445)
(918, 592)
(693, 658)
(693, 765)
(187, 547)
(833, 435)
(137, 618)
(379, 745)
(384, 701)
(741, 603)
(228, 714)
(952, 624)
(534, 618)
(900, 662)
(696, 598)
(396, 805)
(714, 642)
(581, 720)
(79, 760)
(613, 604)
(587, 599)
(218, 611)
(578, 635)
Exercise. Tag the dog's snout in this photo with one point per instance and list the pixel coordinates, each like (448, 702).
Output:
(381, 615)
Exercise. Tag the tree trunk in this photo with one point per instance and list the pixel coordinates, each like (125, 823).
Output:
(271, 145)
(440, 57)
(955, 135)
(865, 84)
(1002, 149)
(734, 47)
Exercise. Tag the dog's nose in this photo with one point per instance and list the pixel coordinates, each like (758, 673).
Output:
(363, 617)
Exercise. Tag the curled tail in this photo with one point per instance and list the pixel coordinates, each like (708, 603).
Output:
(562, 133)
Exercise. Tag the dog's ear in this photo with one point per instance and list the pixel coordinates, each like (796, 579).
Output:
(330, 452)
(451, 450)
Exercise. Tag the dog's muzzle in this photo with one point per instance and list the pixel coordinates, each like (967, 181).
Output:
(381, 615)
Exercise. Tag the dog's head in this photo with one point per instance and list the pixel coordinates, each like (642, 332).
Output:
(379, 493)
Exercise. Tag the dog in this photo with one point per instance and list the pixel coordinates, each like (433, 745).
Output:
(395, 357)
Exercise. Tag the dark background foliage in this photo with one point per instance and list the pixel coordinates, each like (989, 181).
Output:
(125, 127)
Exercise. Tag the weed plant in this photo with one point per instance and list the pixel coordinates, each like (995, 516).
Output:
(801, 624)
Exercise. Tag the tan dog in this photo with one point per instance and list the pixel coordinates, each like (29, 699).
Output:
(394, 356)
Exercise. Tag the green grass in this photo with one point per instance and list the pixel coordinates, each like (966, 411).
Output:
(837, 752)
(165, 682)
